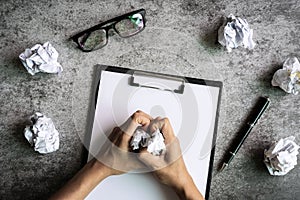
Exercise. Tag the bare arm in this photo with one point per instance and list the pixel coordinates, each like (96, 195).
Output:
(115, 153)
(84, 181)
(169, 168)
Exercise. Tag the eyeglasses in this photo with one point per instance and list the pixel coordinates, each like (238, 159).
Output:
(125, 26)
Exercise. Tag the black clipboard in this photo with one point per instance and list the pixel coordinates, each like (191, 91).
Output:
(133, 79)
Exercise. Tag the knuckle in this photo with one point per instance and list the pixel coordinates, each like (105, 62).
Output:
(166, 121)
(158, 118)
(136, 114)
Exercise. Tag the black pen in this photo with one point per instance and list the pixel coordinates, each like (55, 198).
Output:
(258, 110)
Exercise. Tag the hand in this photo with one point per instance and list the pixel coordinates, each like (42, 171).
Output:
(169, 168)
(116, 152)
(115, 156)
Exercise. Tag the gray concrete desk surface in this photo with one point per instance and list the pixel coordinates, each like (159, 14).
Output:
(180, 38)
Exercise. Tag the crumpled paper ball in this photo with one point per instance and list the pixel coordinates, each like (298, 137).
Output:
(281, 157)
(288, 78)
(140, 139)
(235, 32)
(154, 142)
(156, 145)
(42, 134)
(41, 58)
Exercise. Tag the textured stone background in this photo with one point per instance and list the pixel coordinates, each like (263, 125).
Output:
(180, 38)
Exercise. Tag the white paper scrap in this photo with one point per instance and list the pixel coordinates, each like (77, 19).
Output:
(288, 78)
(41, 59)
(281, 157)
(140, 138)
(42, 134)
(156, 145)
(154, 142)
(235, 32)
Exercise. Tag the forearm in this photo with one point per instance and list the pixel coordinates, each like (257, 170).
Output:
(83, 182)
(188, 190)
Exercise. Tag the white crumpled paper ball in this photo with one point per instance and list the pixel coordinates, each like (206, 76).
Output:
(288, 78)
(281, 157)
(41, 58)
(235, 32)
(42, 134)
(140, 139)
(154, 142)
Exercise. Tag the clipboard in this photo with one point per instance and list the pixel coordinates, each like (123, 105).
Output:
(192, 106)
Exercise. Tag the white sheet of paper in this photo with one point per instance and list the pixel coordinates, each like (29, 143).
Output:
(117, 100)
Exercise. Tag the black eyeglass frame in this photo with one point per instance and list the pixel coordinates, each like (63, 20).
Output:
(112, 22)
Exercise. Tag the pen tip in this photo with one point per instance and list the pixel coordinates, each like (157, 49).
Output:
(223, 166)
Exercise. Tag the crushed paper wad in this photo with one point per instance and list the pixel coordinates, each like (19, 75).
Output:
(235, 32)
(41, 58)
(281, 157)
(42, 134)
(154, 142)
(288, 78)
(140, 139)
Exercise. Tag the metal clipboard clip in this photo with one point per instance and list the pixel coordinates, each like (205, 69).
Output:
(157, 81)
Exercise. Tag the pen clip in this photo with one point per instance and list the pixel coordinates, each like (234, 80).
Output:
(259, 109)
(251, 124)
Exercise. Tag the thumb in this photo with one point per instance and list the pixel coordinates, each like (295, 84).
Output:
(154, 162)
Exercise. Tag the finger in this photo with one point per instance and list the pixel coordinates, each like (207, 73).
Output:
(116, 138)
(164, 125)
(167, 131)
(154, 162)
(145, 126)
(115, 134)
(155, 124)
(139, 118)
(144, 114)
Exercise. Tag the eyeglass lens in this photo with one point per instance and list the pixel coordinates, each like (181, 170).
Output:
(130, 26)
(125, 28)
(93, 40)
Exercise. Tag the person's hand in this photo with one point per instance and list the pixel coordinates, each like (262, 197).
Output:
(113, 158)
(116, 152)
(169, 168)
